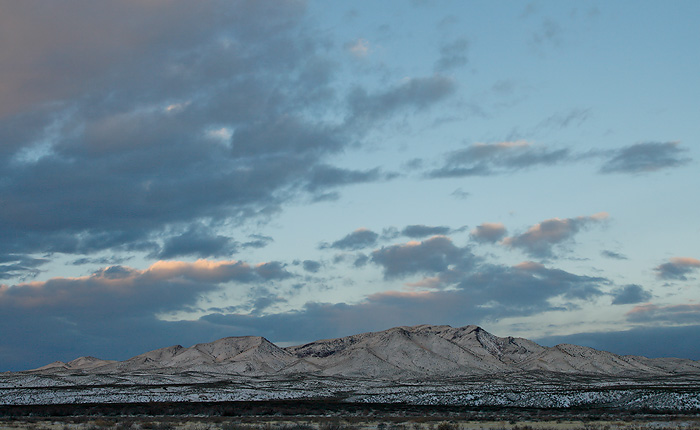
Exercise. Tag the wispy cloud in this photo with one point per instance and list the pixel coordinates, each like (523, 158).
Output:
(484, 159)
(646, 157)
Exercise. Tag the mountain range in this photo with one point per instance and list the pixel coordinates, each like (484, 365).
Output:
(417, 352)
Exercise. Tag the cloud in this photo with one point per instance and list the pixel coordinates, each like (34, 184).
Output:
(452, 55)
(677, 268)
(433, 255)
(311, 266)
(539, 239)
(528, 287)
(645, 157)
(485, 159)
(120, 290)
(190, 118)
(488, 232)
(420, 231)
(460, 194)
(630, 294)
(198, 241)
(613, 255)
(576, 116)
(323, 176)
(358, 239)
(22, 266)
(671, 314)
(414, 93)
(257, 241)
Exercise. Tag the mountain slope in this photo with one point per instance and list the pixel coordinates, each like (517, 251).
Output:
(418, 352)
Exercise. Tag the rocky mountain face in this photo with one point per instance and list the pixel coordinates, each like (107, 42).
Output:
(418, 352)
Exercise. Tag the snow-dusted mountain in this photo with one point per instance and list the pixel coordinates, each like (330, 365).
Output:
(423, 364)
(418, 352)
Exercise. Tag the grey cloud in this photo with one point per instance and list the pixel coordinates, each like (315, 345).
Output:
(612, 254)
(672, 314)
(311, 266)
(20, 266)
(433, 255)
(416, 93)
(630, 294)
(677, 268)
(324, 176)
(272, 271)
(488, 232)
(361, 260)
(358, 239)
(539, 240)
(420, 231)
(483, 159)
(453, 54)
(645, 157)
(258, 241)
(198, 241)
(103, 261)
(528, 286)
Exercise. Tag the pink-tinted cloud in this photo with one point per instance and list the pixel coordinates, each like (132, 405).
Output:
(539, 239)
(489, 232)
(677, 268)
(164, 285)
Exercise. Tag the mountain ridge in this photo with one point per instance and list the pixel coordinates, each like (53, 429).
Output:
(406, 352)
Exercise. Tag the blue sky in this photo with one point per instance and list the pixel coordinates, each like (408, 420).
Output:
(302, 170)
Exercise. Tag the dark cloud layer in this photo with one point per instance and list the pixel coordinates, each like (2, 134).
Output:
(134, 137)
(682, 342)
(200, 242)
(645, 157)
(668, 315)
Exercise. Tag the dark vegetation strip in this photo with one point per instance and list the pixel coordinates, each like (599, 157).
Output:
(316, 408)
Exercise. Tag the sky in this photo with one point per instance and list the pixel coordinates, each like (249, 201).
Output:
(174, 172)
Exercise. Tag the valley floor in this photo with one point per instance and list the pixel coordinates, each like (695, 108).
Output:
(390, 422)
